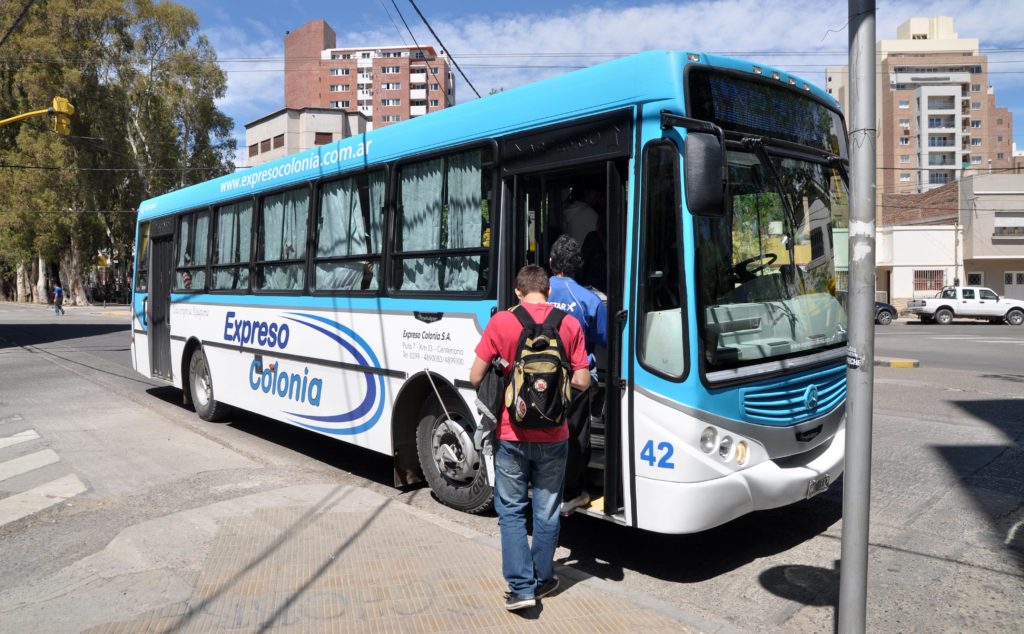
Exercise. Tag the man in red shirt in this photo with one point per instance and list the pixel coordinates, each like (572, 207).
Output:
(529, 458)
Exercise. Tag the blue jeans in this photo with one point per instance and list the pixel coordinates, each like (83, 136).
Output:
(520, 466)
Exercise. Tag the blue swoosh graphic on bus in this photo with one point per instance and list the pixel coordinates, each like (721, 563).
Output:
(374, 384)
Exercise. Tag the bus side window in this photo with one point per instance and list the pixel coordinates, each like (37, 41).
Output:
(281, 248)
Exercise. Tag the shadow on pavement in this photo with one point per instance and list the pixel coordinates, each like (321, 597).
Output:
(992, 474)
(700, 556)
(28, 334)
(358, 461)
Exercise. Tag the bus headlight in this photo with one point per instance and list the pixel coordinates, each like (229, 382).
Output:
(742, 453)
(725, 448)
(708, 440)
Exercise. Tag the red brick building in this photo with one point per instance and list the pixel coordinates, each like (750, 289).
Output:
(387, 84)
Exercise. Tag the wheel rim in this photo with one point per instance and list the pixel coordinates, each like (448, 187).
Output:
(944, 318)
(453, 452)
(884, 318)
(202, 388)
(1015, 318)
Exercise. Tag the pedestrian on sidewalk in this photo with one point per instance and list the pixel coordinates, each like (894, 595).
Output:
(590, 311)
(58, 299)
(529, 459)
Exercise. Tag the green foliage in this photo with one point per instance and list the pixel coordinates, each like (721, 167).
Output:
(143, 82)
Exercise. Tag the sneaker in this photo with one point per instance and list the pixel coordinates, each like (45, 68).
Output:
(579, 501)
(546, 588)
(515, 602)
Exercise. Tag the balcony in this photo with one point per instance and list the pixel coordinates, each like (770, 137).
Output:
(420, 93)
(417, 78)
(415, 111)
(930, 78)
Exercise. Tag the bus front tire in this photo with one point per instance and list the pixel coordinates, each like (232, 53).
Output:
(201, 386)
(452, 466)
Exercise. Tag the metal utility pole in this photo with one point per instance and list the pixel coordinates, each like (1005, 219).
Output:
(860, 375)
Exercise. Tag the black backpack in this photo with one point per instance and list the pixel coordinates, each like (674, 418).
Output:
(539, 391)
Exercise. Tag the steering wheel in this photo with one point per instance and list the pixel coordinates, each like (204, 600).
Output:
(744, 273)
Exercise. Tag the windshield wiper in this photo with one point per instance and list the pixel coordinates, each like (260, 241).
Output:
(757, 146)
(839, 164)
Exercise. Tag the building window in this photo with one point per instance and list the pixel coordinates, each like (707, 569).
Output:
(999, 122)
(391, 70)
(345, 71)
(976, 141)
(265, 145)
(975, 87)
(435, 102)
(364, 56)
(904, 177)
(904, 140)
(975, 160)
(905, 123)
(322, 138)
(392, 86)
(390, 102)
(419, 55)
(904, 158)
(904, 103)
(975, 123)
(1000, 156)
(919, 36)
(435, 86)
(254, 149)
(929, 280)
(975, 105)
(999, 139)
(976, 279)
(345, 103)
(433, 71)
(975, 70)
(334, 71)
(279, 141)
(338, 87)
(341, 55)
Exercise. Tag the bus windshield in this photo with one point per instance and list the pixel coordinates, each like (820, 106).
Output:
(768, 268)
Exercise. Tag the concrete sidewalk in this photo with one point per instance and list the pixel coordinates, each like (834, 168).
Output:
(319, 558)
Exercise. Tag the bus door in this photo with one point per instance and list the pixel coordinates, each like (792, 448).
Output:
(161, 270)
(537, 220)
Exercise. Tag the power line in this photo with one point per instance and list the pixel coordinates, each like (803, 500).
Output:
(17, 21)
(400, 36)
(443, 48)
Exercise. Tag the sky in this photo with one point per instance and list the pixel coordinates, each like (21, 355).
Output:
(501, 45)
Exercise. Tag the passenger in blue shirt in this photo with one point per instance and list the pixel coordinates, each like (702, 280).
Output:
(592, 314)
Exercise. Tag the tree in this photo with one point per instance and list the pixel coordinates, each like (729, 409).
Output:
(144, 84)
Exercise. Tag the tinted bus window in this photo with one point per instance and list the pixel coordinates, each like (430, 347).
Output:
(349, 234)
(282, 241)
(231, 246)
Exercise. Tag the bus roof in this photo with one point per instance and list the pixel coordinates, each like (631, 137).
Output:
(641, 78)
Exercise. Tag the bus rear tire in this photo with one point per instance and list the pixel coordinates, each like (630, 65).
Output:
(451, 465)
(201, 386)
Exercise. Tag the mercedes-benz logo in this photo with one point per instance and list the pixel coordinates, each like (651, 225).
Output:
(811, 397)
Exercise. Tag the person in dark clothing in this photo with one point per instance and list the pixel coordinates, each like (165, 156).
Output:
(58, 299)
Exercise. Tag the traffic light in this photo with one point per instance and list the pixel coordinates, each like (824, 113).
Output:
(62, 111)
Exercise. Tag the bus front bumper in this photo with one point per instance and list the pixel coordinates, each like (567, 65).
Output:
(676, 507)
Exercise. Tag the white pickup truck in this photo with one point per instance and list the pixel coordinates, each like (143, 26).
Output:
(968, 302)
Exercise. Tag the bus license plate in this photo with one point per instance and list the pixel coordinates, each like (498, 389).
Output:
(817, 485)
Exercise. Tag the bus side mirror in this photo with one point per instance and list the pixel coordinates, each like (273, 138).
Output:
(706, 176)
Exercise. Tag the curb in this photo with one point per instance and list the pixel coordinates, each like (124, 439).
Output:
(898, 363)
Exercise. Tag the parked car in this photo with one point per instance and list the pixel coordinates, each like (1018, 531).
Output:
(885, 313)
(971, 302)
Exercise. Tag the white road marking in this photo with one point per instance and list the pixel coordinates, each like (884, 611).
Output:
(43, 496)
(20, 437)
(27, 463)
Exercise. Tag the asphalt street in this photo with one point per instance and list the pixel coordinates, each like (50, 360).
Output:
(947, 517)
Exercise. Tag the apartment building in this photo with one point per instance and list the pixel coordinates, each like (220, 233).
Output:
(937, 113)
(386, 84)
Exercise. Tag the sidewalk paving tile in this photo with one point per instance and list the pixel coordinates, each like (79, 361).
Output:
(381, 570)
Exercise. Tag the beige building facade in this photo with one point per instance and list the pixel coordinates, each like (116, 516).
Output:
(386, 84)
(937, 115)
(292, 130)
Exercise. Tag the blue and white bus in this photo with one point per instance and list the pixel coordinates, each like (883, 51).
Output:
(343, 289)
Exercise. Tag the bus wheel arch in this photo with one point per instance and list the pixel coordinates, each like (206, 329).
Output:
(422, 432)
